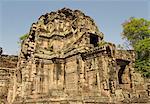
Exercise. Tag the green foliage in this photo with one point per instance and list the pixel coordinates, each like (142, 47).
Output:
(143, 66)
(143, 48)
(137, 32)
(136, 29)
(24, 37)
(142, 63)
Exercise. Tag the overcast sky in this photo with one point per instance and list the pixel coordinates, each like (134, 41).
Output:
(16, 16)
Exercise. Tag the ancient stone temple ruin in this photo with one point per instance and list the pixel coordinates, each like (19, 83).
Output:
(8, 64)
(64, 60)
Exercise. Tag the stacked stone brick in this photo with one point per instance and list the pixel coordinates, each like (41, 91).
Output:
(65, 60)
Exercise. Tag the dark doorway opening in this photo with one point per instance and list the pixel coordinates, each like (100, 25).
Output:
(120, 73)
(122, 64)
(94, 40)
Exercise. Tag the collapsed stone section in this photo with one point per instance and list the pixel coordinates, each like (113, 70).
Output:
(65, 60)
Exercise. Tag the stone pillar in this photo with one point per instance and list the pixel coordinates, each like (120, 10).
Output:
(45, 82)
(80, 69)
(51, 76)
(82, 73)
(98, 78)
(38, 84)
(62, 76)
(105, 77)
(71, 78)
(25, 80)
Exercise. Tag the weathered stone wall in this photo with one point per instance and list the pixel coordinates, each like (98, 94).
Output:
(8, 61)
(8, 64)
(65, 60)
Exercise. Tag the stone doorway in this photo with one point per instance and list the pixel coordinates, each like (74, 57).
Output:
(123, 72)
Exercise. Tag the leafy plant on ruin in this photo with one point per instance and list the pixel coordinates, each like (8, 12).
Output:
(23, 37)
(137, 32)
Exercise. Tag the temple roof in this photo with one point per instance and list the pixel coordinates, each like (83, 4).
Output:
(64, 22)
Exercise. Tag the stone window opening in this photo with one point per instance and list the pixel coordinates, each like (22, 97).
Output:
(94, 40)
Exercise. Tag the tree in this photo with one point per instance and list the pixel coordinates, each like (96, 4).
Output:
(136, 29)
(142, 62)
(137, 32)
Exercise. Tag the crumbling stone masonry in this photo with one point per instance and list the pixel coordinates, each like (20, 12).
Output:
(8, 64)
(65, 60)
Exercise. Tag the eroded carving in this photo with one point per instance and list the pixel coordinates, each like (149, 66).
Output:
(65, 60)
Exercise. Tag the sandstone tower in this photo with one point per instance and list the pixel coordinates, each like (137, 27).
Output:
(65, 60)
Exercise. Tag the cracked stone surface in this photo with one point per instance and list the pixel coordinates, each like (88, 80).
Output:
(65, 60)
